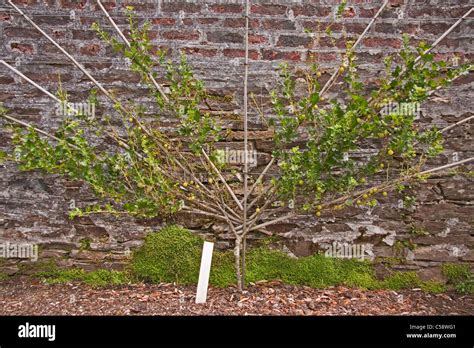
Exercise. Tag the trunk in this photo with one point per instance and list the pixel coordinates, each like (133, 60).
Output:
(238, 266)
(242, 256)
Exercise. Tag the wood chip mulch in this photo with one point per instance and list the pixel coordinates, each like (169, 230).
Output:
(33, 297)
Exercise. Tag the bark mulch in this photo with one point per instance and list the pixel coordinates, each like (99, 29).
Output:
(33, 297)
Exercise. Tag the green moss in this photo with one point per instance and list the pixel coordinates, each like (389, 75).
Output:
(222, 269)
(85, 244)
(459, 276)
(402, 280)
(3, 276)
(99, 277)
(171, 255)
(433, 287)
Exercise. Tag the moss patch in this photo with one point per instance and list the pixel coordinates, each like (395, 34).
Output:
(173, 255)
(459, 276)
(99, 277)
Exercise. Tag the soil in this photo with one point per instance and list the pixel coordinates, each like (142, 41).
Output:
(33, 297)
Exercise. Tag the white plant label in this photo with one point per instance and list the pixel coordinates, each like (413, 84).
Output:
(203, 283)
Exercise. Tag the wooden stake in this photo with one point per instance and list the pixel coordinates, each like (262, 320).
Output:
(204, 272)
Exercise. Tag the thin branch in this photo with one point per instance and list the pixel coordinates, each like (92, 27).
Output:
(221, 177)
(120, 33)
(446, 33)
(386, 186)
(27, 125)
(467, 119)
(79, 65)
(331, 80)
(260, 177)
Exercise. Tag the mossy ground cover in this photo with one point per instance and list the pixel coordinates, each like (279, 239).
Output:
(172, 255)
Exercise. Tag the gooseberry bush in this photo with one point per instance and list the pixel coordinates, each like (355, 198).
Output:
(140, 169)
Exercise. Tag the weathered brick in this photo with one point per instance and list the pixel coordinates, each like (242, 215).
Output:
(257, 39)
(163, 21)
(200, 51)
(278, 24)
(267, 9)
(382, 42)
(239, 53)
(73, 4)
(224, 37)
(5, 17)
(90, 50)
(226, 8)
(293, 41)
(177, 6)
(21, 33)
(311, 11)
(22, 48)
(240, 23)
(278, 55)
(181, 35)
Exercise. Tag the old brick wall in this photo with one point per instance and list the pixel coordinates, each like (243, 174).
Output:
(33, 206)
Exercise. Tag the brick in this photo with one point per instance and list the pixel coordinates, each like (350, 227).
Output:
(381, 42)
(5, 17)
(73, 4)
(207, 21)
(438, 28)
(240, 53)
(80, 34)
(240, 23)
(293, 41)
(278, 24)
(349, 12)
(90, 50)
(22, 48)
(139, 6)
(227, 8)
(257, 39)
(53, 20)
(197, 51)
(181, 35)
(322, 57)
(109, 5)
(164, 21)
(224, 37)
(281, 55)
(177, 6)
(311, 11)
(6, 80)
(22, 32)
(272, 10)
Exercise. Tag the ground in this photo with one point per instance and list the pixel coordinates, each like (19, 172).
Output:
(33, 297)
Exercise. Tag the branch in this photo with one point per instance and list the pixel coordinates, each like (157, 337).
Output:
(446, 33)
(260, 177)
(444, 130)
(219, 174)
(119, 32)
(383, 186)
(331, 80)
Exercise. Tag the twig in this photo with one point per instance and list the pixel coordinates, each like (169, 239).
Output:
(329, 82)
(119, 32)
(221, 177)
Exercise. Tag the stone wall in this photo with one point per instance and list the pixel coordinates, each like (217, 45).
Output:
(33, 206)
